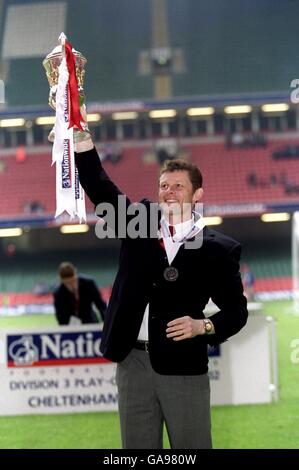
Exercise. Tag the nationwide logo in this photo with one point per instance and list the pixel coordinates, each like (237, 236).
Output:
(77, 188)
(66, 104)
(50, 349)
(65, 165)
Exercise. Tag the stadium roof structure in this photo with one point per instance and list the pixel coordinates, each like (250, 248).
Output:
(218, 101)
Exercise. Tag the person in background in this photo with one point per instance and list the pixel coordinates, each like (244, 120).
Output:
(75, 297)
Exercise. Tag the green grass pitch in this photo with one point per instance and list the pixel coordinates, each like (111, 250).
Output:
(270, 426)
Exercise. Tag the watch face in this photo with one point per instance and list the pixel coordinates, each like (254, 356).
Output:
(208, 326)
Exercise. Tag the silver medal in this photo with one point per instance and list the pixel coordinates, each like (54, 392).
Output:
(171, 274)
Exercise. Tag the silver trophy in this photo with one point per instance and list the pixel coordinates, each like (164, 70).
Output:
(51, 64)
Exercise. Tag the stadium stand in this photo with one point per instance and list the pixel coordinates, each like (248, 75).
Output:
(22, 275)
(23, 271)
(121, 33)
(28, 279)
(229, 184)
(221, 68)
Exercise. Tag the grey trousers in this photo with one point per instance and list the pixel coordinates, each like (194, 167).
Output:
(147, 400)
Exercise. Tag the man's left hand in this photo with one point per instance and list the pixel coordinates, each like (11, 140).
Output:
(184, 328)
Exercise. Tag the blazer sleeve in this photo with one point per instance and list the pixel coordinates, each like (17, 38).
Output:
(94, 179)
(60, 311)
(228, 296)
(98, 300)
(102, 191)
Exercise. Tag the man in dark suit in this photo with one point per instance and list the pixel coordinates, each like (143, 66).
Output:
(75, 296)
(155, 328)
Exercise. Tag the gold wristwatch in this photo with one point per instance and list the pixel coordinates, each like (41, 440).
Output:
(208, 326)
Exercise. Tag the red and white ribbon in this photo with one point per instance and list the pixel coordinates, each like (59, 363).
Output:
(69, 193)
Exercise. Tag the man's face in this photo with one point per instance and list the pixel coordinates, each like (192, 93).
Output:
(70, 283)
(176, 194)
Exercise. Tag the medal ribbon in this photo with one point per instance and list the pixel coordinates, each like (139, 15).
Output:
(75, 116)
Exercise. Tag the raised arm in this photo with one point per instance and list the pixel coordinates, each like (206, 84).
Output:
(93, 178)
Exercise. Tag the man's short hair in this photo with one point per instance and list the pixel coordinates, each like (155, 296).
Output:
(181, 165)
(66, 270)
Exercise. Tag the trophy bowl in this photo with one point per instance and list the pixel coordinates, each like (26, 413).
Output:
(51, 64)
